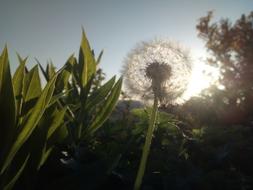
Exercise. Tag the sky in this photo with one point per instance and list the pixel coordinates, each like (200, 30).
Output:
(51, 29)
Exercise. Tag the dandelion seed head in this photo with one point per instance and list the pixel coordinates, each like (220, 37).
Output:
(157, 67)
(159, 72)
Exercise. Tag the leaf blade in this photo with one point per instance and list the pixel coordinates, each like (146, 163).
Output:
(87, 61)
(32, 121)
(7, 104)
(106, 110)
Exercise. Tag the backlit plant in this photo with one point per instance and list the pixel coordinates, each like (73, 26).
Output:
(156, 71)
(33, 119)
(30, 121)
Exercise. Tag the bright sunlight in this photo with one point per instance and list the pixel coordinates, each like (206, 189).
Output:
(202, 77)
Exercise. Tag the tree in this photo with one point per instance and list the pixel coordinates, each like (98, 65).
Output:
(231, 49)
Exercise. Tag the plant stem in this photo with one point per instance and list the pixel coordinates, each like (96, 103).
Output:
(146, 148)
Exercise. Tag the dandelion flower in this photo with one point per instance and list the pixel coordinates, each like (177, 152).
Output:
(160, 68)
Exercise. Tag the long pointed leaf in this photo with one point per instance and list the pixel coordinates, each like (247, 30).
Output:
(32, 85)
(18, 83)
(44, 157)
(100, 94)
(106, 109)
(99, 57)
(63, 78)
(42, 70)
(87, 62)
(11, 184)
(50, 70)
(56, 121)
(7, 104)
(32, 122)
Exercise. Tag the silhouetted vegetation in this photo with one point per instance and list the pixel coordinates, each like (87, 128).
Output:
(231, 47)
(72, 135)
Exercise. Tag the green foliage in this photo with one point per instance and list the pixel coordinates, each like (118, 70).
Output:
(73, 103)
(212, 157)
(231, 46)
(89, 107)
(193, 148)
(181, 156)
(115, 150)
(24, 107)
(147, 144)
(88, 104)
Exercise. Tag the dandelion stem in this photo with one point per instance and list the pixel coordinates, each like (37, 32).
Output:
(146, 148)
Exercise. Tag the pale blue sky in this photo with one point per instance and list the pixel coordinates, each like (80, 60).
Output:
(51, 29)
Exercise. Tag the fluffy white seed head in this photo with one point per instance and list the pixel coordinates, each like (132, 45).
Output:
(157, 67)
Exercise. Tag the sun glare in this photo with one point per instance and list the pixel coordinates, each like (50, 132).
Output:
(202, 77)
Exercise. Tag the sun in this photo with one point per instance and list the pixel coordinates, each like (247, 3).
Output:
(202, 77)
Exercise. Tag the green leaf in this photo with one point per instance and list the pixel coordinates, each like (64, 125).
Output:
(42, 70)
(106, 109)
(12, 182)
(7, 103)
(87, 62)
(32, 85)
(31, 92)
(99, 57)
(44, 157)
(57, 120)
(50, 70)
(18, 83)
(99, 95)
(32, 121)
(63, 78)
(56, 97)
(50, 121)
(37, 141)
(58, 136)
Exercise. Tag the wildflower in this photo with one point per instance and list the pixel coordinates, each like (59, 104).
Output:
(159, 68)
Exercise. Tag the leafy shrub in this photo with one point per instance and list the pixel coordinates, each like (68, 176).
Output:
(72, 106)
(29, 120)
